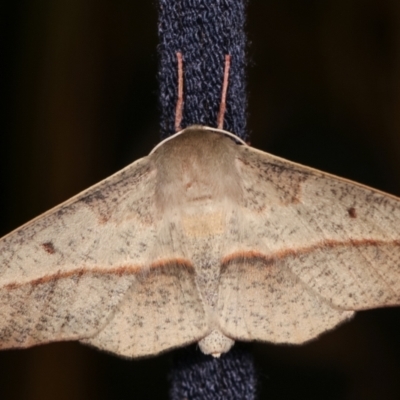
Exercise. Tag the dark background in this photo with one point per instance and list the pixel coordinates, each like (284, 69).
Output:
(78, 94)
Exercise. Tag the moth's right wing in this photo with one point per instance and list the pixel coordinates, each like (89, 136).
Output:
(314, 248)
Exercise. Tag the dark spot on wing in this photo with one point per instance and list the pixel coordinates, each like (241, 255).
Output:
(352, 212)
(49, 247)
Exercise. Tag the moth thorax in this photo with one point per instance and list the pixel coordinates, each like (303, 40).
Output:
(197, 167)
(215, 344)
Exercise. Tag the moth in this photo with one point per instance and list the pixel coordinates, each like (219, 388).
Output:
(205, 240)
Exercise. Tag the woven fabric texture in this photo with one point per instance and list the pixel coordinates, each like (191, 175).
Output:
(196, 376)
(204, 31)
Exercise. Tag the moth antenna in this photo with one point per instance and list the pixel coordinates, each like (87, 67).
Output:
(222, 106)
(179, 103)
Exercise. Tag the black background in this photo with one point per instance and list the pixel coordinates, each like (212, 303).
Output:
(79, 101)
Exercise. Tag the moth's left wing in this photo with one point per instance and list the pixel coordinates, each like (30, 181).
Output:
(89, 270)
(313, 248)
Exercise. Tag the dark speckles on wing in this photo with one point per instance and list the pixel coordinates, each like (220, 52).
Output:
(94, 197)
(107, 200)
(162, 310)
(64, 306)
(268, 182)
(261, 299)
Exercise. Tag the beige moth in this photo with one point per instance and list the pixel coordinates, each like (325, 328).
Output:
(205, 240)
